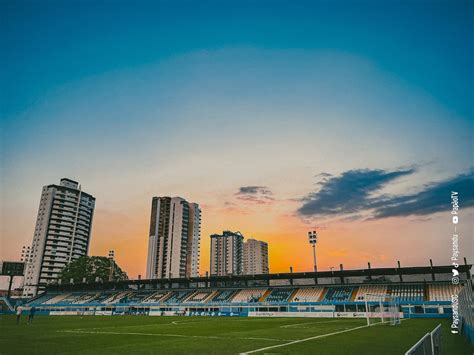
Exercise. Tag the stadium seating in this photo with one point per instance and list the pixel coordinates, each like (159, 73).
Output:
(370, 293)
(43, 298)
(56, 299)
(105, 297)
(155, 297)
(199, 296)
(85, 298)
(117, 297)
(249, 295)
(308, 294)
(137, 296)
(223, 296)
(70, 298)
(279, 295)
(442, 292)
(407, 292)
(178, 296)
(338, 294)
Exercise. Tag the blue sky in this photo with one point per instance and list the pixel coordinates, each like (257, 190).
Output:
(427, 44)
(200, 99)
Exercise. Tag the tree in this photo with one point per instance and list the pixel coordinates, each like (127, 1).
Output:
(91, 268)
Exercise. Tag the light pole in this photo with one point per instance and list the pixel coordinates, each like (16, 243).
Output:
(313, 238)
(332, 274)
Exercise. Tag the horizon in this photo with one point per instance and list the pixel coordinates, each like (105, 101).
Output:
(276, 118)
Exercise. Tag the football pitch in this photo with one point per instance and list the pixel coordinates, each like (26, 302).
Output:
(213, 335)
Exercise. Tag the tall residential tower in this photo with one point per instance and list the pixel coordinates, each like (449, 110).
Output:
(255, 257)
(226, 253)
(174, 238)
(62, 233)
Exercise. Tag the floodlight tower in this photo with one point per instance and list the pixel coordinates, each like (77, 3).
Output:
(313, 238)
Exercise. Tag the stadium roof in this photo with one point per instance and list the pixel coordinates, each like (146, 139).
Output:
(290, 277)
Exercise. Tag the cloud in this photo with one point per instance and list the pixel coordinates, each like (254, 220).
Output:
(433, 198)
(263, 190)
(255, 194)
(348, 193)
(352, 193)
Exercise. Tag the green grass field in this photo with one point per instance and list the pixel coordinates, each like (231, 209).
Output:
(206, 335)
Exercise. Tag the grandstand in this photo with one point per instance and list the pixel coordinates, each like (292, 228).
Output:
(349, 304)
(427, 294)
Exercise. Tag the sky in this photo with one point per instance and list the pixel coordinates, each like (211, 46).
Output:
(354, 118)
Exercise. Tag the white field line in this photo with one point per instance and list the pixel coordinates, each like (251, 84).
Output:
(169, 335)
(315, 337)
(170, 323)
(177, 322)
(306, 339)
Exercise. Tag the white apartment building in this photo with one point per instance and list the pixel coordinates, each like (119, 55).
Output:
(226, 253)
(174, 238)
(62, 233)
(255, 257)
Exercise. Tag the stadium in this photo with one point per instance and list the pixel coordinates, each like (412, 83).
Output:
(370, 311)
(236, 177)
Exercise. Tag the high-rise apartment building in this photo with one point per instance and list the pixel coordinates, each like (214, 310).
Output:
(174, 238)
(226, 253)
(62, 233)
(255, 257)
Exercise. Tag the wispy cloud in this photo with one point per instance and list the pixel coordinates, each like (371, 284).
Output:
(352, 193)
(255, 194)
(254, 190)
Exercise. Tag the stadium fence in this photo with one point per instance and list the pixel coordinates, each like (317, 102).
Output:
(466, 309)
(429, 344)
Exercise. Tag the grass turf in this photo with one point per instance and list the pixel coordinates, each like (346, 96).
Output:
(206, 335)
